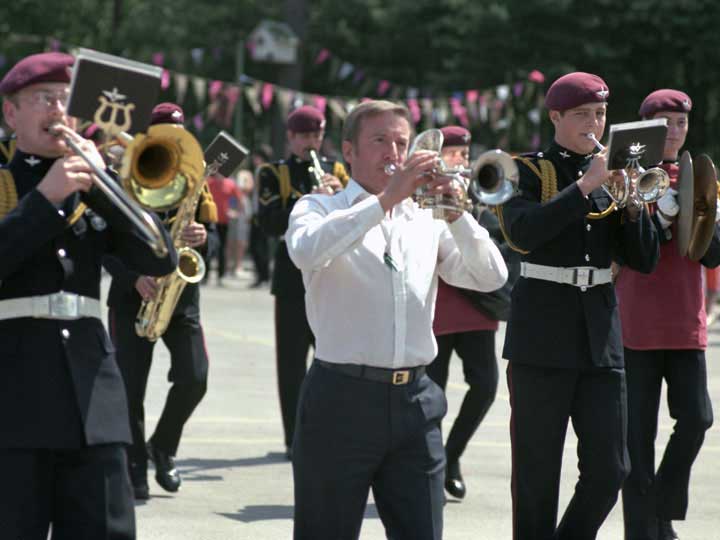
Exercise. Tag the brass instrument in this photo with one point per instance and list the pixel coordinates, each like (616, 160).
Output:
(492, 180)
(639, 186)
(317, 172)
(164, 170)
(142, 221)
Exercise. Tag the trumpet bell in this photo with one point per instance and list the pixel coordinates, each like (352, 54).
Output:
(494, 177)
(652, 184)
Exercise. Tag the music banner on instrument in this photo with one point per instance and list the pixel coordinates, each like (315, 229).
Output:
(225, 154)
(115, 93)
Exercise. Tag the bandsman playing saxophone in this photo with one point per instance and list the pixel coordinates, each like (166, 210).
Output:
(183, 338)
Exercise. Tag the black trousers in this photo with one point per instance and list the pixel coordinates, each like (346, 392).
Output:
(543, 400)
(293, 339)
(353, 435)
(259, 251)
(647, 494)
(85, 493)
(477, 351)
(188, 373)
(222, 229)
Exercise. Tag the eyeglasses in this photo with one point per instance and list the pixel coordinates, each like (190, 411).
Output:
(45, 99)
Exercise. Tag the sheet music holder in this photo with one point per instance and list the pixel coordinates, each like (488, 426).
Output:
(115, 93)
(225, 153)
(637, 143)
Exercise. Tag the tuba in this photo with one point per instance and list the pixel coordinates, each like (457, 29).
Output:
(164, 170)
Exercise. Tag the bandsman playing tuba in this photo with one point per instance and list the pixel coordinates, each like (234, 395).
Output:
(281, 184)
(665, 336)
(563, 337)
(184, 339)
(63, 414)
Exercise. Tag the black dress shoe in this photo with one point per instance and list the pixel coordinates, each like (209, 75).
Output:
(454, 483)
(166, 473)
(665, 530)
(138, 477)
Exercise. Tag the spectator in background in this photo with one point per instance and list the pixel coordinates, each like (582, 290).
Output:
(259, 242)
(223, 190)
(238, 224)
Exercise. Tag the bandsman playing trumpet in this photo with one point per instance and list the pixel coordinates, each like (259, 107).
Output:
(665, 336)
(63, 411)
(183, 338)
(563, 337)
(281, 184)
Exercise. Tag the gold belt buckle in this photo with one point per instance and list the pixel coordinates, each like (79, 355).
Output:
(401, 377)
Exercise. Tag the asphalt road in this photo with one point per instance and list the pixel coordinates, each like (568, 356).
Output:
(237, 484)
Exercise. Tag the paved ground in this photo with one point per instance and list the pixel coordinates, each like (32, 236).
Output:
(237, 484)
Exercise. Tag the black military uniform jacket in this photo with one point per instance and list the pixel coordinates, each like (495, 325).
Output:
(122, 289)
(59, 384)
(274, 211)
(560, 325)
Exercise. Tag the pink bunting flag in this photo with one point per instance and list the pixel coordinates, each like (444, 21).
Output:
(232, 94)
(472, 96)
(414, 109)
(215, 88)
(459, 111)
(320, 103)
(165, 80)
(266, 96)
(383, 87)
(158, 58)
(322, 56)
(536, 76)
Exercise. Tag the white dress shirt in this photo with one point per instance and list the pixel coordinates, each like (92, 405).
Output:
(371, 278)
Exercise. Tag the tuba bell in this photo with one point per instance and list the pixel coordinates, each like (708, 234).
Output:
(698, 199)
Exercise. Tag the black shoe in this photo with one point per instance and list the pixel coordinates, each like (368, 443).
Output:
(138, 477)
(665, 530)
(166, 473)
(454, 483)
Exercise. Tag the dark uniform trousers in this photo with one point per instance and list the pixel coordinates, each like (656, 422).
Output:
(293, 339)
(63, 419)
(354, 434)
(476, 349)
(595, 401)
(66, 487)
(647, 494)
(188, 373)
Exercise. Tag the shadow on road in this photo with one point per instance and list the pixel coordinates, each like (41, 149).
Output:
(194, 469)
(267, 512)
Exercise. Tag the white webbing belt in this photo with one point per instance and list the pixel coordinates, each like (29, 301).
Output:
(578, 276)
(60, 305)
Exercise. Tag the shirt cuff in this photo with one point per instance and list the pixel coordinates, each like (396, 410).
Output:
(466, 225)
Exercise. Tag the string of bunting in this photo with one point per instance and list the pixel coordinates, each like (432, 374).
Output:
(495, 107)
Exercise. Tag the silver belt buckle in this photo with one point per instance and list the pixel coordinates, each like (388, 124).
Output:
(64, 306)
(583, 277)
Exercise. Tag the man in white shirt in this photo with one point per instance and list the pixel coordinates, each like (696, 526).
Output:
(368, 416)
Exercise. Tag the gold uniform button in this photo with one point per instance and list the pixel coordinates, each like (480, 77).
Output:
(588, 227)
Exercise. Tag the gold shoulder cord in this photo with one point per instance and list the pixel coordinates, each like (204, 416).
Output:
(340, 173)
(9, 198)
(8, 193)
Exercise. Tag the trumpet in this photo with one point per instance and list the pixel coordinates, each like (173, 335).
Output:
(317, 172)
(142, 221)
(640, 186)
(492, 180)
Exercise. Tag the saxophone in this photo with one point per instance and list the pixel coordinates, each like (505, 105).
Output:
(187, 178)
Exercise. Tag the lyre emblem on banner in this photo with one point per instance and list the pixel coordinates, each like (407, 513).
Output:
(108, 122)
(637, 151)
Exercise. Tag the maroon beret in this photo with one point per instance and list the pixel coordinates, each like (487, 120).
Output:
(37, 68)
(455, 136)
(666, 99)
(167, 113)
(575, 89)
(306, 119)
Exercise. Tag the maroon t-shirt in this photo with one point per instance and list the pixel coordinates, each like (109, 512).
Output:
(454, 313)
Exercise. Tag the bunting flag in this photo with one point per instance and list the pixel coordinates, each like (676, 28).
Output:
(165, 80)
(320, 103)
(181, 84)
(322, 56)
(266, 96)
(414, 109)
(200, 88)
(283, 98)
(252, 93)
(158, 58)
(214, 89)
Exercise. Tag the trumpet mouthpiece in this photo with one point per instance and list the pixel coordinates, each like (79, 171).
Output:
(390, 169)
